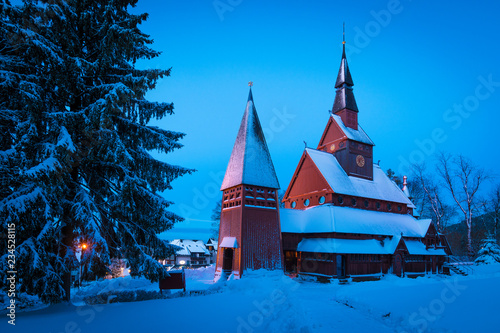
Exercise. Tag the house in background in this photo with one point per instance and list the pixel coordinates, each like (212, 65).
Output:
(212, 247)
(193, 253)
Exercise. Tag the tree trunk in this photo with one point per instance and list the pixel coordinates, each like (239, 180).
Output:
(68, 237)
(469, 238)
(67, 243)
(495, 227)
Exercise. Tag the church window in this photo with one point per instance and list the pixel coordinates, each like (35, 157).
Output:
(378, 205)
(367, 203)
(353, 201)
(306, 202)
(294, 204)
(389, 207)
(322, 200)
(399, 208)
(340, 200)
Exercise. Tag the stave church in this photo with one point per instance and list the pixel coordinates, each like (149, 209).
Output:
(343, 217)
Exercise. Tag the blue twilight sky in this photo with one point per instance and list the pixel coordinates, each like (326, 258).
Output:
(426, 75)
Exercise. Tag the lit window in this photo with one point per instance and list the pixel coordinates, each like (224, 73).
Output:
(294, 204)
(322, 200)
(306, 202)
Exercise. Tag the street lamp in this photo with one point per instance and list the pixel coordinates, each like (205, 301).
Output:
(83, 247)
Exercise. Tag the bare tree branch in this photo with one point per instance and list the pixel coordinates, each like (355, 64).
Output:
(463, 180)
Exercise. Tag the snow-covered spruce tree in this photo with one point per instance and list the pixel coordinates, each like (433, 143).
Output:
(75, 142)
(489, 252)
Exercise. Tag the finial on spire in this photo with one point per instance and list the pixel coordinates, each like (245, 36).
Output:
(250, 96)
(343, 41)
(343, 33)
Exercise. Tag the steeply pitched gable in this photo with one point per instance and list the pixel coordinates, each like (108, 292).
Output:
(250, 161)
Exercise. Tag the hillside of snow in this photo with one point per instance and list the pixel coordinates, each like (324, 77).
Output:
(264, 301)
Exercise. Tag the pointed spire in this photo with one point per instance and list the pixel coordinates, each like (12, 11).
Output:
(405, 187)
(344, 76)
(344, 97)
(250, 162)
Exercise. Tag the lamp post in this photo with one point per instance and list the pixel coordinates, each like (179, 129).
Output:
(83, 247)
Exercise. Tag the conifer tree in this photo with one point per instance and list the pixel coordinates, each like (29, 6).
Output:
(75, 145)
(489, 252)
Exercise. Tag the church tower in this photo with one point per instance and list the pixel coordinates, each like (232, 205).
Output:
(344, 152)
(249, 231)
(343, 136)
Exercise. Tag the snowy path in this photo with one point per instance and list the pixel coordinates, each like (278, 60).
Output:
(270, 302)
(227, 312)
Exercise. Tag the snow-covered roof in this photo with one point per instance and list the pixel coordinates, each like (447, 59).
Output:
(380, 188)
(190, 246)
(250, 161)
(360, 246)
(364, 246)
(419, 248)
(212, 242)
(358, 135)
(229, 242)
(330, 218)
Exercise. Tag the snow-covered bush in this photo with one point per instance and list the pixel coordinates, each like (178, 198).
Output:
(123, 296)
(23, 301)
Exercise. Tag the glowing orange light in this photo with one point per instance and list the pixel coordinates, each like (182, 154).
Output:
(84, 246)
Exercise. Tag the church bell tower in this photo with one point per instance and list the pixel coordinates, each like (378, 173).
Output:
(249, 231)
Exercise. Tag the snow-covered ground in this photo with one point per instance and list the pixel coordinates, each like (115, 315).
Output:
(265, 301)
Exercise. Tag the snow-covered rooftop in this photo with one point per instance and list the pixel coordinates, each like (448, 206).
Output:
(330, 218)
(364, 246)
(230, 242)
(250, 161)
(190, 246)
(358, 135)
(212, 242)
(380, 188)
(360, 246)
(419, 248)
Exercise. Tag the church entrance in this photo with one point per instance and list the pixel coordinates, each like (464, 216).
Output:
(340, 266)
(291, 261)
(227, 260)
(398, 264)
